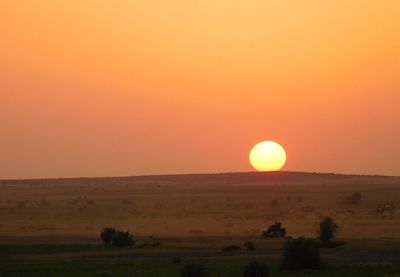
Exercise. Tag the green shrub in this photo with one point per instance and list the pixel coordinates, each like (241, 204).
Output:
(256, 269)
(250, 245)
(194, 270)
(107, 234)
(301, 253)
(231, 248)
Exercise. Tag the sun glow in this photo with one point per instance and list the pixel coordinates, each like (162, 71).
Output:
(267, 156)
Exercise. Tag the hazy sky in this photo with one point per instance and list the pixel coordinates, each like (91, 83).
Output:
(104, 88)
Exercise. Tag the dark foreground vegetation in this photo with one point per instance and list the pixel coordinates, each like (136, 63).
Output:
(301, 253)
(357, 258)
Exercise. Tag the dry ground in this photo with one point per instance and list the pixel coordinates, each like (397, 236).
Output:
(196, 207)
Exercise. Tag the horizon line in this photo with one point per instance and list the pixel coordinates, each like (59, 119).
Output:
(198, 173)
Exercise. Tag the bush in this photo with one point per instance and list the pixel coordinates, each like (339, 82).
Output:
(327, 229)
(249, 245)
(301, 253)
(112, 237)
(107, 234)
(256, 269)
(121, 239)
(230, 248)
(194, 270)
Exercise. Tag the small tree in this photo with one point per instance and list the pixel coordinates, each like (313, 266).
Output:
(301, 253)
(194, 270)
(107, 234)
(327, 229)
(256, 269)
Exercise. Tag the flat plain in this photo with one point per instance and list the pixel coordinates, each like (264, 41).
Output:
(51, 227)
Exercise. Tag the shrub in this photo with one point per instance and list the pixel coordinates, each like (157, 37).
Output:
(230, 248)
(327, 229)
(256, 269)
(301, 253)
(194, 270)
(107, 234)
(121, 239)
(112, 237)
(250, 245)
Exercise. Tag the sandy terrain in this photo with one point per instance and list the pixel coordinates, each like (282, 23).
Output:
(197, 206)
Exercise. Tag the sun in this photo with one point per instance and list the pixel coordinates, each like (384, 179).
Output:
(267, 156)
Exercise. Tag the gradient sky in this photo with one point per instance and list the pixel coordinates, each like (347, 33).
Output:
(105, 88)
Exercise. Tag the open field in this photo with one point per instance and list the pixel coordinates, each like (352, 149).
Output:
(239, 204)
(51, 227)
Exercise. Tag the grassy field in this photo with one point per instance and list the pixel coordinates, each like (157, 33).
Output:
(357, 258)
(51, 227)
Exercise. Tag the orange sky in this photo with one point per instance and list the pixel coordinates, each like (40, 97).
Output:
(103, 88)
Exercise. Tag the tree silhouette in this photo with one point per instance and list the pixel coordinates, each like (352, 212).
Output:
(327, 229)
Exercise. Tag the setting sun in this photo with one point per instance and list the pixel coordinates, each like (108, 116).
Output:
(267, 156)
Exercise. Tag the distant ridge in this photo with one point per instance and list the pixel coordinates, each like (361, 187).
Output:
(277, 177)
